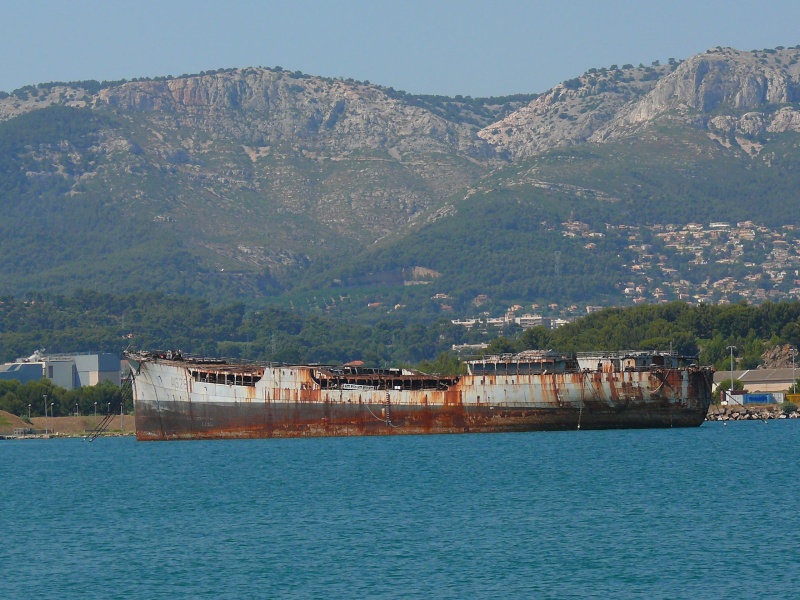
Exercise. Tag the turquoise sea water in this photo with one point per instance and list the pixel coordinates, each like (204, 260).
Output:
(682, 513)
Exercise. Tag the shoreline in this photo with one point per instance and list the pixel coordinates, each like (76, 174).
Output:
(80, 427)
(63, 436)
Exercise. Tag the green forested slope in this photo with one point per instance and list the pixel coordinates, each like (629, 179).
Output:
(93, 321)
(703, 330)
(505, 238)
(506, 245)
(90, 321)
(59, 232)
(675, 174)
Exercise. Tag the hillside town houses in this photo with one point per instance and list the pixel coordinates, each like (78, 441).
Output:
(716, 262)
(741, 261)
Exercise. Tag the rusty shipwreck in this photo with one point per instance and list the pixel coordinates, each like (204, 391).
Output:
(178, 397)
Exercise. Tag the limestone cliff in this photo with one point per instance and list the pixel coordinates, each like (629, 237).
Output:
(730, 90)
(723, 91)
(726, 92)
(572, 111)
(262, 106)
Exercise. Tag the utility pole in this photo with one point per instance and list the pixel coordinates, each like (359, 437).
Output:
(731, 348)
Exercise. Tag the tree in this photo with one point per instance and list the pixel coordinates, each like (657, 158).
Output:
(11, 403)
(501, 345)
(446, 363)
(537, 338)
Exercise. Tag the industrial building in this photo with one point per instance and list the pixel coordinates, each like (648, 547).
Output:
(759, 385)
(69, 371)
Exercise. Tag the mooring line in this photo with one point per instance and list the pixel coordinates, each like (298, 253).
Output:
(387, 420)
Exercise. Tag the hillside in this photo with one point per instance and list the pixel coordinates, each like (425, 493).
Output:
(253, 171)
(333, 195)
(152, 321)
(9, 422)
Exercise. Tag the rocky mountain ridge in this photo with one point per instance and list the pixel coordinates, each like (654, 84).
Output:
(723, 91)
(261, 107)
(258, 170)
(571, 112)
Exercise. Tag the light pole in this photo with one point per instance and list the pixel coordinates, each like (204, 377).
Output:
(794, 377)
(76, 409)
(95, 410)
(108, 411)
(731, 348)
(52, 414)
(45, 413)
(29, 412)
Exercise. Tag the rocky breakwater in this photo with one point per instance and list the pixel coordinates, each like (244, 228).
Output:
(753, 412)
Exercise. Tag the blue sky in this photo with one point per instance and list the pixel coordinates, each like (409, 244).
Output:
(477, 48)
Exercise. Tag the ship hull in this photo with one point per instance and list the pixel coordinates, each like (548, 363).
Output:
(170, 403)
(181, 420)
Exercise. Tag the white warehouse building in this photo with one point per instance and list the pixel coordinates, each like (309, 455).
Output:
(69, 371)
